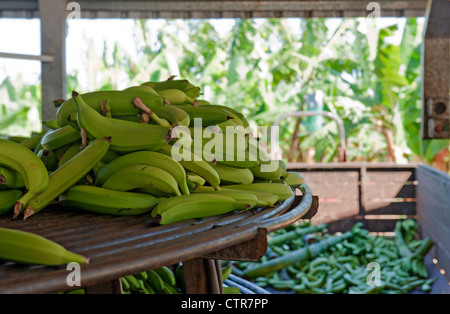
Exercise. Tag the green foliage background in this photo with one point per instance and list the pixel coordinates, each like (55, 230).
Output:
(265, 68)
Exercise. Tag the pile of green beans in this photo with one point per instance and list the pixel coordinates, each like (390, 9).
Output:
(356, 262)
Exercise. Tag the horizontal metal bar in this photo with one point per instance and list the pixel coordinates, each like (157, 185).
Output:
(42, 58)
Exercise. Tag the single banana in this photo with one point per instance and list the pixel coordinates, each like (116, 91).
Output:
(203, 102)
(166, 275)
(168, 84)
(106, 201)
(125, 285)
(208, 116)
(68, 174)
(197, 205)
(293, 179)
(10, 179)
(241, 117)
(34, 140)
(29, 248)
(265, 199)
(283, 191)
(121, 103)
(126, 136)
(196, 165)
(230, 175)
(156, 282)
(8, 199)
(110, 156)
(193, 92)
(150, 158)
(271, 171)
(29, 166)
(48, 158)
(71, 152)
(51, 124)
(142, 176)
(132, 281)
(60, 137)
(176, 97)
(142, 88)
(196, 179)
(16, 139)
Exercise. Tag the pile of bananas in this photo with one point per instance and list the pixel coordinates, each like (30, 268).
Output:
(112, 152)
(165, 281)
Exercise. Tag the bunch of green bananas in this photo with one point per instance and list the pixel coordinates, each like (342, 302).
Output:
(156, 281)
(117, 152)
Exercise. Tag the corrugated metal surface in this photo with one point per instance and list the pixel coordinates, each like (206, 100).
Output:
(118, 246)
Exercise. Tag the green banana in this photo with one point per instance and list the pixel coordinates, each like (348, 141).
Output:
(68, 174)
(132, 282)
(16, 139)
(241, 117)
(48, 158)
(121, 103)
(150, 158)
(166, 275)
(174, 115)
(29, 248)
(33, 141)
(168, 84)
(248, 198)
(193, 92)
(8, 199)
(196, 165)
(226, 272)
(203, 102)
(60, 137)
(126, 136)
(51, 124)
(175, 97)
(29, 166)
(105, 201)
(140, 176)
(155, 281)
(283, 191)
(197, 205)
(209, 116)
(73, 150)
(196, 179)
(231, 175)
(142, 88)
(265, 199)
(125, 285)
(10, 179)
(179, 276)
(271, 171)
(293, 179)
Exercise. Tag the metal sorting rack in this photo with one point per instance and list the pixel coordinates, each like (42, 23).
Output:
(118, 246)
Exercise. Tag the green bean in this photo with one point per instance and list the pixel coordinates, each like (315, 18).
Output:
(317, 283)
(349, 279)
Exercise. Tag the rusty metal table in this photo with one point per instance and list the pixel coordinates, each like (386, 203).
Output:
(124, 245)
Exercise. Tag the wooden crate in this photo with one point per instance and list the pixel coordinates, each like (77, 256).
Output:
(375, 194)
(379, 195)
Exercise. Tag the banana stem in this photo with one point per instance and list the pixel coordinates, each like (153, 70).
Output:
(144, 118)
(138, 103)
(83, 139)
(105, 108)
